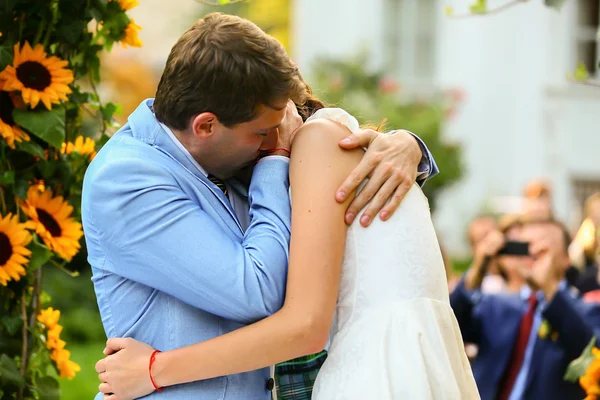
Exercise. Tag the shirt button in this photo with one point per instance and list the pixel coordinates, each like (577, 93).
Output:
(270, 384)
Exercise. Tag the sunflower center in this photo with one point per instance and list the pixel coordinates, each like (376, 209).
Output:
(5, 248)
(49, 223)
(34, 75)
(6, 108)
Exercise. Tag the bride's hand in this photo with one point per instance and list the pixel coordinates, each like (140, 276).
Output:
(124, 372)
(391, 163)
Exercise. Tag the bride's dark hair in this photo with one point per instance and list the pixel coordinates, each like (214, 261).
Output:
(311, 103)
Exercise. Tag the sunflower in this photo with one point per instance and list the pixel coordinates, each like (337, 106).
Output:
(13, 253)
(81, 146)
(49, 317)
(128, 4)
(130, 37)
(52, 221)
(8, 128)
(39, 78)
(66, 367)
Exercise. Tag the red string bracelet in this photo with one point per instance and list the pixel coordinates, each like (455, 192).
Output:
(152, 359)
(278, 149)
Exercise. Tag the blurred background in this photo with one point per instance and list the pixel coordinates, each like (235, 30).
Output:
(488, 94)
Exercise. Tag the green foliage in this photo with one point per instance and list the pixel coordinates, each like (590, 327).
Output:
(479, 7)
(42, 150)
(556, 4)
(373, 97)
(581, 74)
(579, 366)
(48, 125)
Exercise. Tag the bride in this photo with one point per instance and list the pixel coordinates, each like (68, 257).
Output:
(378, 295)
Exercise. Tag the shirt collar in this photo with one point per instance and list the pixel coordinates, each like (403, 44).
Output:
(182, 148)
(526, 292)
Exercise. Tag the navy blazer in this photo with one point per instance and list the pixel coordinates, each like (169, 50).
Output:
(492, 322)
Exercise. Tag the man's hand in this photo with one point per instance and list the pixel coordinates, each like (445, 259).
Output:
(485, 251)
(391, 163)
(124, 372)
(547, 263)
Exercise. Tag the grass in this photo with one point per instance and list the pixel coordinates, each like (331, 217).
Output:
(85, 384)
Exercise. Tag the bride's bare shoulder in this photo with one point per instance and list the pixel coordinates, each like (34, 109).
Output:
(323, 130)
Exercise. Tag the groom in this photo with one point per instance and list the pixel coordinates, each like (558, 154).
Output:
(180, 250)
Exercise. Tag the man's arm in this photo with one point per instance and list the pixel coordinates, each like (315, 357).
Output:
(152, 233)
(464, 304)
(466, 299)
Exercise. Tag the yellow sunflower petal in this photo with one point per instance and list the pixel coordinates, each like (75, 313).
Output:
(51, 85)
(59, 231)
(13, 238)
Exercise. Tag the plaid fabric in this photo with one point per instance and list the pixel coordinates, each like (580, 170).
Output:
(295, 378)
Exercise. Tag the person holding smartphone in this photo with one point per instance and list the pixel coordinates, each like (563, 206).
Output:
(527, 339)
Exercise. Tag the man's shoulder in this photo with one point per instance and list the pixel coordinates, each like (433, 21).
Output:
(496, 304)
(123, 167)
(124, 155)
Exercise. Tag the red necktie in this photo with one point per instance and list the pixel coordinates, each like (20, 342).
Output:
(518, 353)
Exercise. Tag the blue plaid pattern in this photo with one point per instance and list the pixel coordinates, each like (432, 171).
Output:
(295, 378)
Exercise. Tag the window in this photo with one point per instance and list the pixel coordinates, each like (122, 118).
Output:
(584, 188)
(409, 39)
(588, 43)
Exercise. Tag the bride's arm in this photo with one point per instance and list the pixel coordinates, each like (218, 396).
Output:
(317, 167)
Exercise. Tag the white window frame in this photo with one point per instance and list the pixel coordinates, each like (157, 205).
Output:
(587, 33)
(401, 32)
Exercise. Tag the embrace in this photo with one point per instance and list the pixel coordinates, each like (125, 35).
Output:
(220, 229)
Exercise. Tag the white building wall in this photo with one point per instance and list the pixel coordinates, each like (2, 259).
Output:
(521, 119)
(336, 28)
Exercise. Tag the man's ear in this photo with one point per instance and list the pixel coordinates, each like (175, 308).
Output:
(203, 125)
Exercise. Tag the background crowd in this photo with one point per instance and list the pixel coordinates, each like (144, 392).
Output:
(526, 316)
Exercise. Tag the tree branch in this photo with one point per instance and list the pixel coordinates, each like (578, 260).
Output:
(490, 11)
(24, 344)
(217, 3)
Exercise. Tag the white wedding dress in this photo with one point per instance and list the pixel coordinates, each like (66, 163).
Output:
(394, 335)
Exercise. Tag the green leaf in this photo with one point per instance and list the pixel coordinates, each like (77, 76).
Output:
(47, 125)
(40, 254)
(13, 324)
(581, 73)
(578, 366)
(45, 298)
(9, 372)
(71, 32)
(94, 66)
(479, 7)
(46, 168)
(109, 110)
(48, 388)
(7, 178)
(556, 4)
(223, 2)
(6, 56)
(21, 188)
(31, 148)
(104, 138)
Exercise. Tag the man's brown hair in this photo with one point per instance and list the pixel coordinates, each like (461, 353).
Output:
(228, 66)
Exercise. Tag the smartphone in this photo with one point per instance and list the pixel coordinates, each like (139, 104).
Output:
(514, 248)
